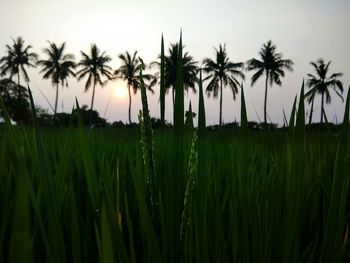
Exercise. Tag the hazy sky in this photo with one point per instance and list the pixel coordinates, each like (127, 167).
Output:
(303, 30)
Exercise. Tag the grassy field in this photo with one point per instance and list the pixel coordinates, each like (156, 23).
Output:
(81, 195)
(178, 195)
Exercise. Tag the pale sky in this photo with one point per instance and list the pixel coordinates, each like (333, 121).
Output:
(303, 30)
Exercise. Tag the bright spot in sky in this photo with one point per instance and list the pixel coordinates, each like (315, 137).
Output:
(120, 92)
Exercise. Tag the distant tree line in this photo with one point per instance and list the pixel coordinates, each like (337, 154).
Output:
(220, 72)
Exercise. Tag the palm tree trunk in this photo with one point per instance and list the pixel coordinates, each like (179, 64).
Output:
(322, 101)
(265, 100)
(18, 86)
(129, 104)
(93, 96)
(220, 116)
(311, 110)
(56, 100)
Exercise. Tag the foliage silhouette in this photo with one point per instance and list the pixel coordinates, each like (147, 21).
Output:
(17, 59)
(129, 71)
(17, 105)
(94, 66)
(272, 65)
(321, 84)
(222, 72)
(170, 63)
(88, 117)
(59, 66)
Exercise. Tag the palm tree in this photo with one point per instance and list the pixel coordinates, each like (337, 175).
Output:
(189, 70)
(17, 59)
(129, 71)
(222, 72)
(58, 66)
(95, 67)
(272, 65)
(321, 84)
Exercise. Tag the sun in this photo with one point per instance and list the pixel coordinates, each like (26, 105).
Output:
(120, 92)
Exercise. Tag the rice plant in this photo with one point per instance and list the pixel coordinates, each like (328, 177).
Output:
(82, 194)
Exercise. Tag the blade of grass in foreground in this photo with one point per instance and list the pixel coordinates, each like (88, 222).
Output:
(21, 243)
(244, 119)
(147, 144)
(200, 222)
(295, 187)
(190, 118)
(292, 116)
(249, 254)
(190, 189)
(162, 85)
(201, 106)
(334, 232)
(175, 186)
(55, 233)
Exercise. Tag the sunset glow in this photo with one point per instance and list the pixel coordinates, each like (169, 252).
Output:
(120, 92)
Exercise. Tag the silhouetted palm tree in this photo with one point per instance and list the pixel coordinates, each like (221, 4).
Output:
(222, 72)
(17, 59)
(272, 65)
(95, 67)
(321, 84)
(189, 70)
(58, 66)
(129, 71)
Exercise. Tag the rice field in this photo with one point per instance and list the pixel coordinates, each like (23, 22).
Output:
(82, 194)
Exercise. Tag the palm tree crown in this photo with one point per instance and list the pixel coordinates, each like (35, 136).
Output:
(221, 73)
(272, 65)
(17, 59)
(189, 70)
(95, 67)
(129, 71)
(321, 84)
(59, 66)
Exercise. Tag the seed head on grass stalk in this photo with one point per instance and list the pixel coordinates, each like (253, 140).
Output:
(190, 189)
(147, 142)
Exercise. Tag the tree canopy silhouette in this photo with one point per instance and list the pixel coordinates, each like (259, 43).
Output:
(17, 59)
(321, 84)
(129, 71)
(59, 66)
(271, 64)
(189, 70)
(17, 106)
(221, 73)
(94, 66)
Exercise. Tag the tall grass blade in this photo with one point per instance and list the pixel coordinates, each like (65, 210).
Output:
(21, 243)
(201, 106)
(244, 119)
(190, 189)
(179, 92)
(55, 235)
(175, 187)
(295, 187)
(292, 115)
(147, 143)
(190, 118)
(162, 84)
(335, 227)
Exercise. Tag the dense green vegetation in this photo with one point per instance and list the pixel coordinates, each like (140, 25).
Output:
(79, 194)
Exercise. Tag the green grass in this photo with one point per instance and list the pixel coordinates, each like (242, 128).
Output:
(251, 201)
(122, 195)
